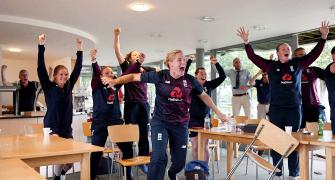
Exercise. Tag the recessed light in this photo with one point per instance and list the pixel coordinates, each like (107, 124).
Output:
(207, 18)
(258, 27)
(140, 6)
(16, 50)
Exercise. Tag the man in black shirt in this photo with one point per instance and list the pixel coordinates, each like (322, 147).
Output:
(27, 92)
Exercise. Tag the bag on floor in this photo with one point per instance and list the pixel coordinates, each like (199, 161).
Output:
(196, 170)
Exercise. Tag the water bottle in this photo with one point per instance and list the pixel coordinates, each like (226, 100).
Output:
(232, 124)
(207, 123)
(320, 125)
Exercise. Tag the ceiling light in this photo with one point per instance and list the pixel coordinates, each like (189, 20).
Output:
(16, 50)
(207, 19)
(140, 6)
(258, 27)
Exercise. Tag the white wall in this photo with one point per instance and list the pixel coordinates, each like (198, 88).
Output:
(15, 65)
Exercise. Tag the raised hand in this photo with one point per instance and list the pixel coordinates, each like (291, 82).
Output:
(243, 34)
(93, 54)
(192, 57)
(79, 44)
(213, 59)
(117, 31)
(107, 81)
(142, 57)
(41, 39)
(324, 29)
(4, 67)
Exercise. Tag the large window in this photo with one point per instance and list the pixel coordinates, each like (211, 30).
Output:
(224, 91)
(322, 62)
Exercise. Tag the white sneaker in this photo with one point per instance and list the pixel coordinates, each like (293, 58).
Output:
(294, 178)
(277, 178)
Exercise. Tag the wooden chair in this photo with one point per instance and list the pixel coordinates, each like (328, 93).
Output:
(253, 121)
(127, 133)
(328, 126)
(108, 150)
(239, 120)
(266, 132)
(255, 147)
(214, 147)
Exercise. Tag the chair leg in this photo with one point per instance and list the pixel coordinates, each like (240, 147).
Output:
(46, 171)
(246, 167)
(283, 170)
(137, 173)
(235, 148)
(311, 165)
(212, 159)
(256, 172)
(124, 173)
(108, 167)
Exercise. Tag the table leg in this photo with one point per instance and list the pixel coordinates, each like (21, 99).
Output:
(201, 147)
(85, 171)
(330, 163)
(303, 162)
(230, 155)
(235, 147)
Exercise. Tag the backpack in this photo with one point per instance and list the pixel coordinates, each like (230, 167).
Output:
(196, 170)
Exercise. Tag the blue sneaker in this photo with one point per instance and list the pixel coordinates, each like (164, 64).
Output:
(144, 168)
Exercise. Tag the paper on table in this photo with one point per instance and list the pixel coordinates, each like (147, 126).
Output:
(220, 129)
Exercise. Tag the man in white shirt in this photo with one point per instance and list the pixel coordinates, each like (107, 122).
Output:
(239, 79)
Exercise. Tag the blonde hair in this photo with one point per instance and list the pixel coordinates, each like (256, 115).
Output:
(170, 56)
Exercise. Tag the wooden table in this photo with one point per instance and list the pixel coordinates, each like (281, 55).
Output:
(37, 150)
(330, 155)
(229, 138)
(17, 169)
(246, 138)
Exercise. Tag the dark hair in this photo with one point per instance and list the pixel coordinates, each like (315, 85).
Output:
(299, 49)
(198, 69)
(58, 68)
(333, 50)
(128, 56)
(105, 67)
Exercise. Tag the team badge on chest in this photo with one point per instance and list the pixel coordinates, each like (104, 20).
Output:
(185, 83)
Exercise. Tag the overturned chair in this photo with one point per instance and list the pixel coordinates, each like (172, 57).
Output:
(273, 137)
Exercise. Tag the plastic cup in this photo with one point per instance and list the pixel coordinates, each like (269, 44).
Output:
(46, 131)
(215, 122)
(327, 135)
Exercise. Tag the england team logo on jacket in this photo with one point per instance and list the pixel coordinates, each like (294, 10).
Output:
(176, 94)
(286, 79)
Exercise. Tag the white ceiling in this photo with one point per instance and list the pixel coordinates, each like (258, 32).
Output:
(176, 20)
